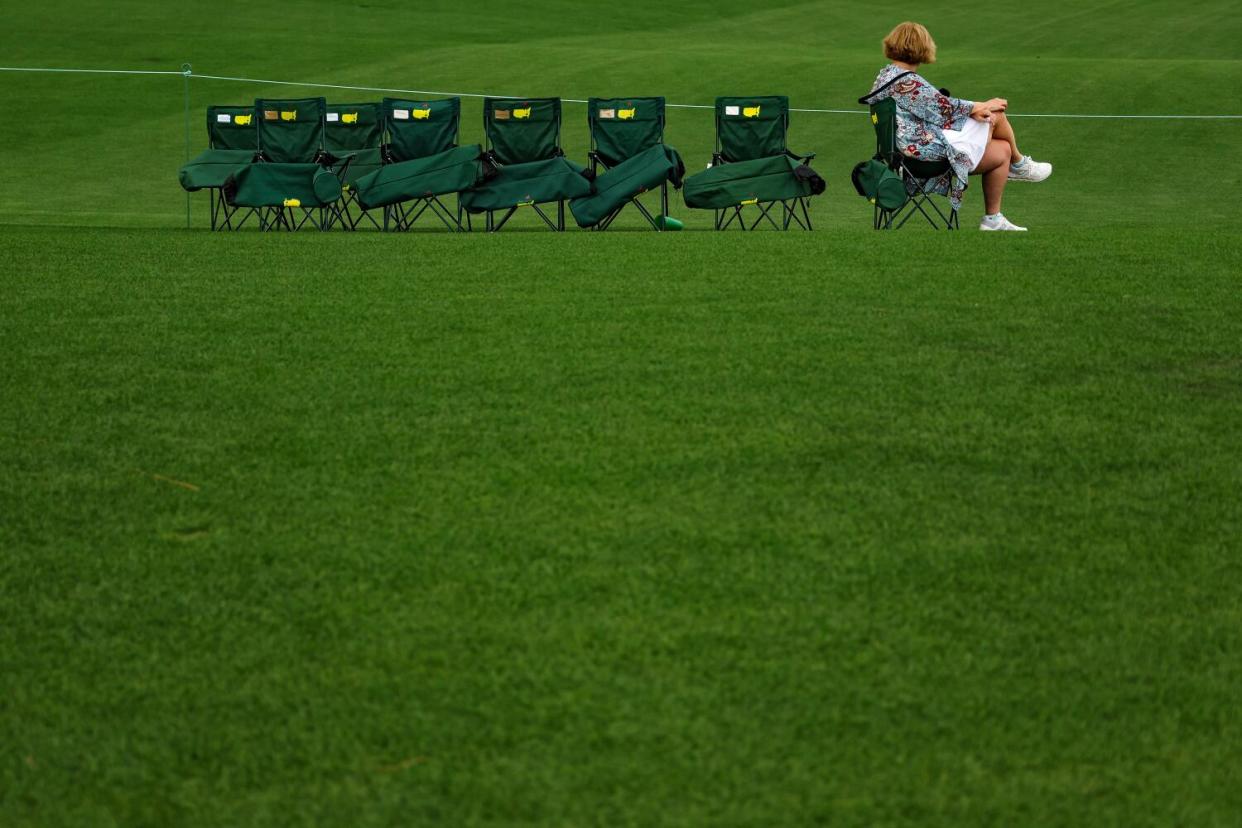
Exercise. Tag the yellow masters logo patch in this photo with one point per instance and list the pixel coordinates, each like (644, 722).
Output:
(292, 202)
(349, 117)
(626, 114)
(522, 114)
(288, 115)
(421, 114)
(751, 111)
(243, 120)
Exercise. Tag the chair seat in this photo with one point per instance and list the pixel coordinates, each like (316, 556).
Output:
(747, 182)
(445, 172)
(536, 182)
(920, 168)
(280, 185)
(211, 168)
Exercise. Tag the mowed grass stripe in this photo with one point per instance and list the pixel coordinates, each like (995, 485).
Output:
(633, 528)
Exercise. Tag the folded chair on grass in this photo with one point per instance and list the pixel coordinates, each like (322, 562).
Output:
(232, 141)
(524, 143)
(752, 166)
(285, 184)
(354, 134)
(627, 142)
(919, 176)
(422, 163)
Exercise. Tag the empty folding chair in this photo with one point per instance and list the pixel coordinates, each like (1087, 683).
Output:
(524, 142)
(353, 134)
(422, 164)
(627, 143)
(291, 184)
(232, 141)
(752, 166)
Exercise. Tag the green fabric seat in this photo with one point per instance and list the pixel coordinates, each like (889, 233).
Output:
(211, 168)
(725, 186)
(447, 172)
(644, 172)
(753, 166)
(279, 185)
(525, 185)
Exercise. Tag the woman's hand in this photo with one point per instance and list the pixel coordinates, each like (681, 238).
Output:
(982, 110)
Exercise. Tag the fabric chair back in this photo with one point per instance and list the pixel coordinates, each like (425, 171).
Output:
(519, 131)
(352, 127)
(232, 128)
(750, 128)
(291, 130)
(884, 119)
(418, 129)
(621, 128)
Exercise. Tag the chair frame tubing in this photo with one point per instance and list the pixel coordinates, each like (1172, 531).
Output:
(917, 203)
(789, 215)
(401, 217)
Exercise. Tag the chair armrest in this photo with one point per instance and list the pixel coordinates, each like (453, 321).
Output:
(805, 159)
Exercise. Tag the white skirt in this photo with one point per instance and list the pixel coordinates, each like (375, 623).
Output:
(971, 139)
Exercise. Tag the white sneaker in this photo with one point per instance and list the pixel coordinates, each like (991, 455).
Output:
(999, 222)
(1030, 170)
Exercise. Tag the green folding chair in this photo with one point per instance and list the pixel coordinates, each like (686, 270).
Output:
(291, 131)
(354, 134)
(524, 143)
(420, 133)
(232, 141)
(918, 175)
(752, 133)
(627, 145)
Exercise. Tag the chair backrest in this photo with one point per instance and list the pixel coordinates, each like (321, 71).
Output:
(291, 130)
(351, 127)
(417, 129)
(623, 127)
(232, 128)
(521, 130)
(750, 128)
(884, 119)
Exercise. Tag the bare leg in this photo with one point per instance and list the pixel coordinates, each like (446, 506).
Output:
(994, 167)
(1002, 129)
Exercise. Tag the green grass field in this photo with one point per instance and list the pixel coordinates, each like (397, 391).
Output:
(623, 529)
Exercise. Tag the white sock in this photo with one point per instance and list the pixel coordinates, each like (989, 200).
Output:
(1021, 163)
(993, 217)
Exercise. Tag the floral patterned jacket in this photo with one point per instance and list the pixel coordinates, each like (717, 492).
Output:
(923, 113)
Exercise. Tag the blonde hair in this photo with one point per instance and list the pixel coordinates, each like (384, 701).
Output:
(910, 43)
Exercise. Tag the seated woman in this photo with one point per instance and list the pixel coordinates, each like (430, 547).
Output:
(975, 137)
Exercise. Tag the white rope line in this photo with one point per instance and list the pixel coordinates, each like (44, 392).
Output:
(429, 92)
(92, 71)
